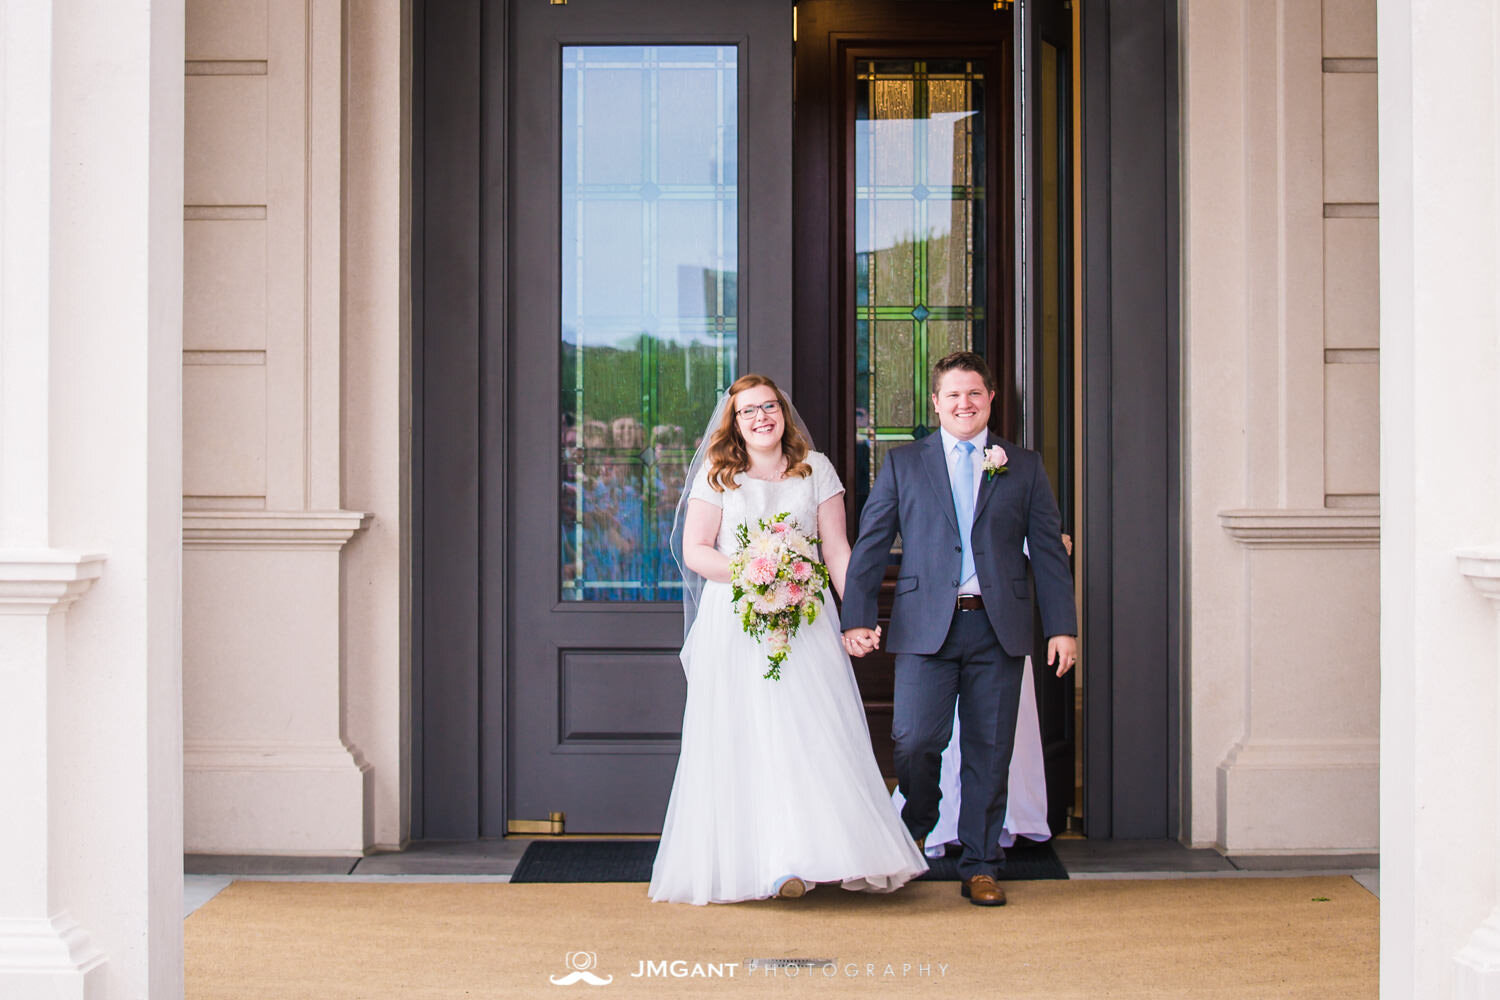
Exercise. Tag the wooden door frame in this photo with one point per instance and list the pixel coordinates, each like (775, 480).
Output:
(1131, 553)
(447, 83)
(1135, 761)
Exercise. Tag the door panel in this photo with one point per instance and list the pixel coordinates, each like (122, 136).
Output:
(641, 243)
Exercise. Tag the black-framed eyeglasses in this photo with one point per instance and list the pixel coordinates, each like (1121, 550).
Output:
(769, 406)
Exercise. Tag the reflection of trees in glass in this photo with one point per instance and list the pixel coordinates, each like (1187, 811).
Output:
(631, 421)
(655, 381)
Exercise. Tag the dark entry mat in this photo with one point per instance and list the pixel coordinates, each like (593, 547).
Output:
(586, 861)
(631, 860)
(1033, 862)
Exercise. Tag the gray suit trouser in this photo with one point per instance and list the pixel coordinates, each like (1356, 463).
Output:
(986, 681)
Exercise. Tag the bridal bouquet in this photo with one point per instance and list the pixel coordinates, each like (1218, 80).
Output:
(777, 584)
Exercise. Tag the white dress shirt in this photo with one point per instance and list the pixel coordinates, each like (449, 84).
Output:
(950, 452)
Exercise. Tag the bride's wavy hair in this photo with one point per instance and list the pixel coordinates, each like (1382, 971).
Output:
(727, 454)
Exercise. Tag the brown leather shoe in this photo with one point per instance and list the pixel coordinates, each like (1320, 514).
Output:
(981, 890)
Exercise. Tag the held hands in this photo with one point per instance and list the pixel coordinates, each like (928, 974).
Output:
(859, 641)
(1062, 650)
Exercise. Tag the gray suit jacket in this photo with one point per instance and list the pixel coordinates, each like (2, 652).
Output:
(912, 495)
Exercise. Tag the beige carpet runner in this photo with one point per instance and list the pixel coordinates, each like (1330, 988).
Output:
(1189, 938)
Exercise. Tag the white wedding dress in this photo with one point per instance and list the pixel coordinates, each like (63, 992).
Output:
(775, 778)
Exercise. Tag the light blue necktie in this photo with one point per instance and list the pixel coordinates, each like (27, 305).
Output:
(963, 504)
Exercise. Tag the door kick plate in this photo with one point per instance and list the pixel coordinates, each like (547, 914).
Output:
(553, 824)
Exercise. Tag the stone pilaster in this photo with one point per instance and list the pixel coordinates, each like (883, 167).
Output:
(1281, 515)
(44, 951)
(270, 766)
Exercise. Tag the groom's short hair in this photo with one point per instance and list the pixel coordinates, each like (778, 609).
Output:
(966, 361)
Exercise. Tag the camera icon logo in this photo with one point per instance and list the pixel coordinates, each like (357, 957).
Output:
(581, 965)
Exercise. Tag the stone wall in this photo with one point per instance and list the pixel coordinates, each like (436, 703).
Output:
(293, 332)
(1281, 424)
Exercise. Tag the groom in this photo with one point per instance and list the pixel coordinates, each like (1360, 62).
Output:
(964, 501)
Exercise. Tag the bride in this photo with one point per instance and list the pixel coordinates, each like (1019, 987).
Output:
(776, 788)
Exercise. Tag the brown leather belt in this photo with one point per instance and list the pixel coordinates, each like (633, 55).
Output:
(970, 602)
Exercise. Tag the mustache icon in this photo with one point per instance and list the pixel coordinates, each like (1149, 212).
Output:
(587, 977)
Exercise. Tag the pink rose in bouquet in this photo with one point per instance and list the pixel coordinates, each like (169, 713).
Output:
(761, 572)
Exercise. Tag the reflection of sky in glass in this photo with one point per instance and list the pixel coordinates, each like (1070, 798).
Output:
(941, 175)
(919, 242)
(649, 198)
(649, 305)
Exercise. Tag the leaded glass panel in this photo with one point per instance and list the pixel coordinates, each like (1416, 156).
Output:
(919, 211)
(649, 311)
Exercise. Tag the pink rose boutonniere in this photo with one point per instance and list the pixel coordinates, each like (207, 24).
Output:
(994, 462)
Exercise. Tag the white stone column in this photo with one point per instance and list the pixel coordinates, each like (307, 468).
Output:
(1477, 965)
(90, 459)
(1440, 480)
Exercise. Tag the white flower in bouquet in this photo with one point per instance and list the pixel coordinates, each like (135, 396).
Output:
(767, 544)
(777, 584)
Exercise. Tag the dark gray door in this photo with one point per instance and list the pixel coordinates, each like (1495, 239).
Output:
(648, 264)
(499, 659)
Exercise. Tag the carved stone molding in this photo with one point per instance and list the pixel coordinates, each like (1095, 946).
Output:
(54, 955)
(327, 530)
(41, 581)
(1294, 754)
(1314, 528)
(1300, 795)
(245, 795)
(41, 953)
(1482, 567)
(272, 755)
(1477, 963)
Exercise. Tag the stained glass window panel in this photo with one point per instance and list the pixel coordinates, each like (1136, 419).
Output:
(919, 207)
(649, 307)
